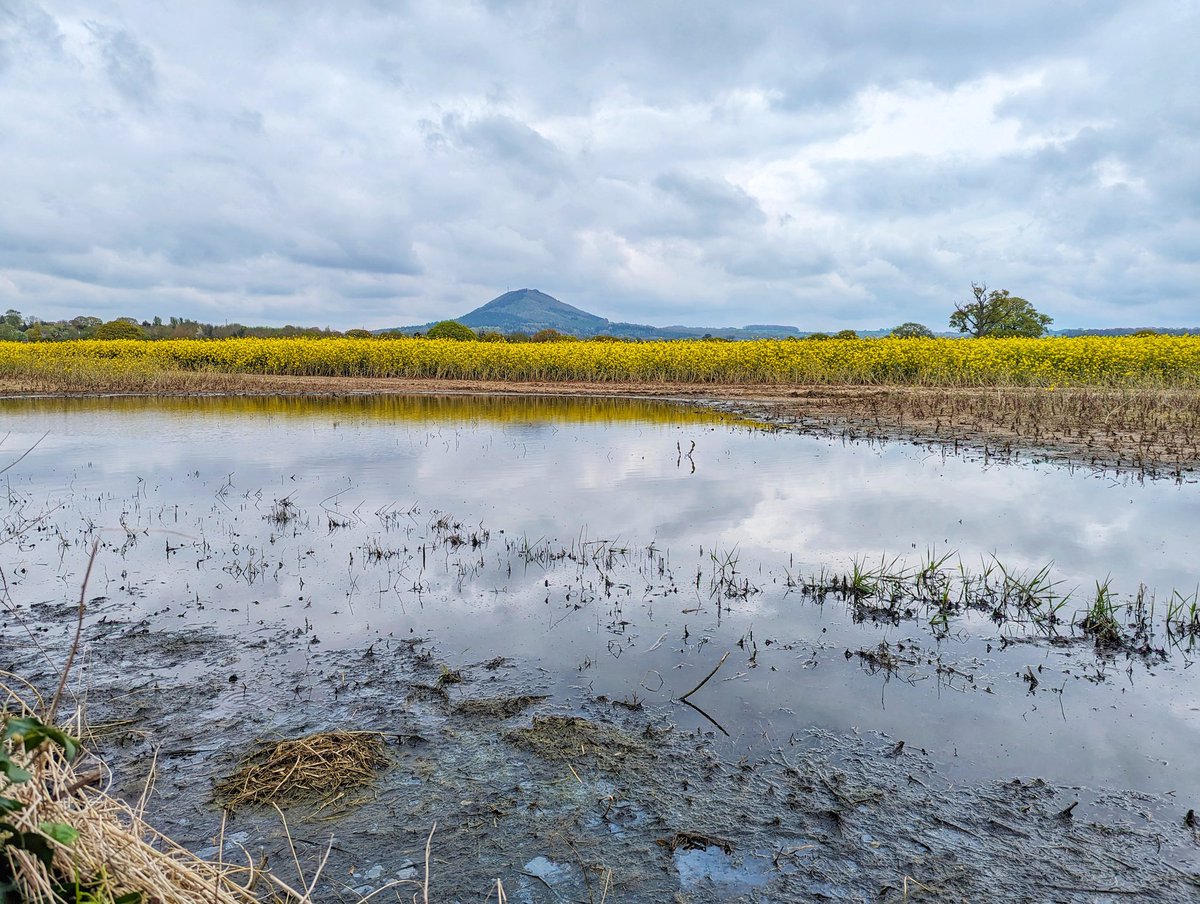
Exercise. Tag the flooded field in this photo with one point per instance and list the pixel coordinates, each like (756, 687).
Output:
(516, 593)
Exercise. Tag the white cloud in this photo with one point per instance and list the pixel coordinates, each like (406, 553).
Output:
(926, 121)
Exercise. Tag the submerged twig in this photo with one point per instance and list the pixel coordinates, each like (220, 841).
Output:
(720, 727)
(683, 699)
(17, 460)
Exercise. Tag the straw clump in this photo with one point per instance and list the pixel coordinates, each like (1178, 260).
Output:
(322, 767)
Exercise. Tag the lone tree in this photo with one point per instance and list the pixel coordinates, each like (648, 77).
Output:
(119, 329)
(912, 330)
(997, 314)
(451, 329)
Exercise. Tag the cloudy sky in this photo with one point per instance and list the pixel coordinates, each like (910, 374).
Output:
(824, 164)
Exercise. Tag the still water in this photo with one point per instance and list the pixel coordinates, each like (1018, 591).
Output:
(588, 540)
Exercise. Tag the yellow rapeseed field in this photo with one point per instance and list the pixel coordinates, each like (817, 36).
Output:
(1087, 361)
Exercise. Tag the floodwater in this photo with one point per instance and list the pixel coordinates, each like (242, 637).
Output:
(617, 550)
(367, 477)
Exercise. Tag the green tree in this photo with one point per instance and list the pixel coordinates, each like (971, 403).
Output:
(845, 334)
(912, 330)
(549, 335)
(85, 325)
(451, 329)
(358, 334)
(997, 314)
(119, 329)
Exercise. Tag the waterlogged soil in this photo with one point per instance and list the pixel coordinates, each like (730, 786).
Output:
(516, 594)
(589, 800)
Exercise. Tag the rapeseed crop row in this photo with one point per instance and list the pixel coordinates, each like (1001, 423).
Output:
(1084, 361)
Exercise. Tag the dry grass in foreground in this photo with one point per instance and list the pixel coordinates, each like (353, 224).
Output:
(66, 839)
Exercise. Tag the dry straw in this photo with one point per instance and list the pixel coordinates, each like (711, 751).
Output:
(115, 851)
(322, 767)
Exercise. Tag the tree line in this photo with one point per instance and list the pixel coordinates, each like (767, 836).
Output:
(992, 313)
(16, 327)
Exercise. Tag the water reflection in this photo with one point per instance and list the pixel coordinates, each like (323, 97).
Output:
(676, 490)
(422, 409)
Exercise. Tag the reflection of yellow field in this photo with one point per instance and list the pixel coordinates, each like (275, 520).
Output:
(422, 409)
(1088, 361)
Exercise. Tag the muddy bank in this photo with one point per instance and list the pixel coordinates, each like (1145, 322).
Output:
(1146, 432)
(578, 803)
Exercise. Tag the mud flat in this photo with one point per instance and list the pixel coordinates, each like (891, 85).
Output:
(583, 803)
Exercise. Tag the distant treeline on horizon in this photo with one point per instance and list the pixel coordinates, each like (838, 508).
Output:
(15, 327)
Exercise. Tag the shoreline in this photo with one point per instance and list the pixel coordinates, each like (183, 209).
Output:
(1142, 432)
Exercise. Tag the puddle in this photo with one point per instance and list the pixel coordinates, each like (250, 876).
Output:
(712, 868)
(517, 594)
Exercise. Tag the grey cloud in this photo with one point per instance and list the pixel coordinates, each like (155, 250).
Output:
(840, 47)
(240, 120)
(710, 199)
(128, 63)
(383, 291)
(26, 28)
(509, 140)
(399, 260)
(390, 70)
(773, 261)
(87, 269)
(199, 244)
(670, 161)
(524, 155)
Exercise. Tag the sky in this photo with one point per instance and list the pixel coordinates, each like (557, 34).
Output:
(826, 165)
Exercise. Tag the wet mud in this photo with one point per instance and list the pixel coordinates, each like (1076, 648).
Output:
(587, 802)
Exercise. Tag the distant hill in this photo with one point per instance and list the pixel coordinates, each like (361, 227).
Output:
(529, 310)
